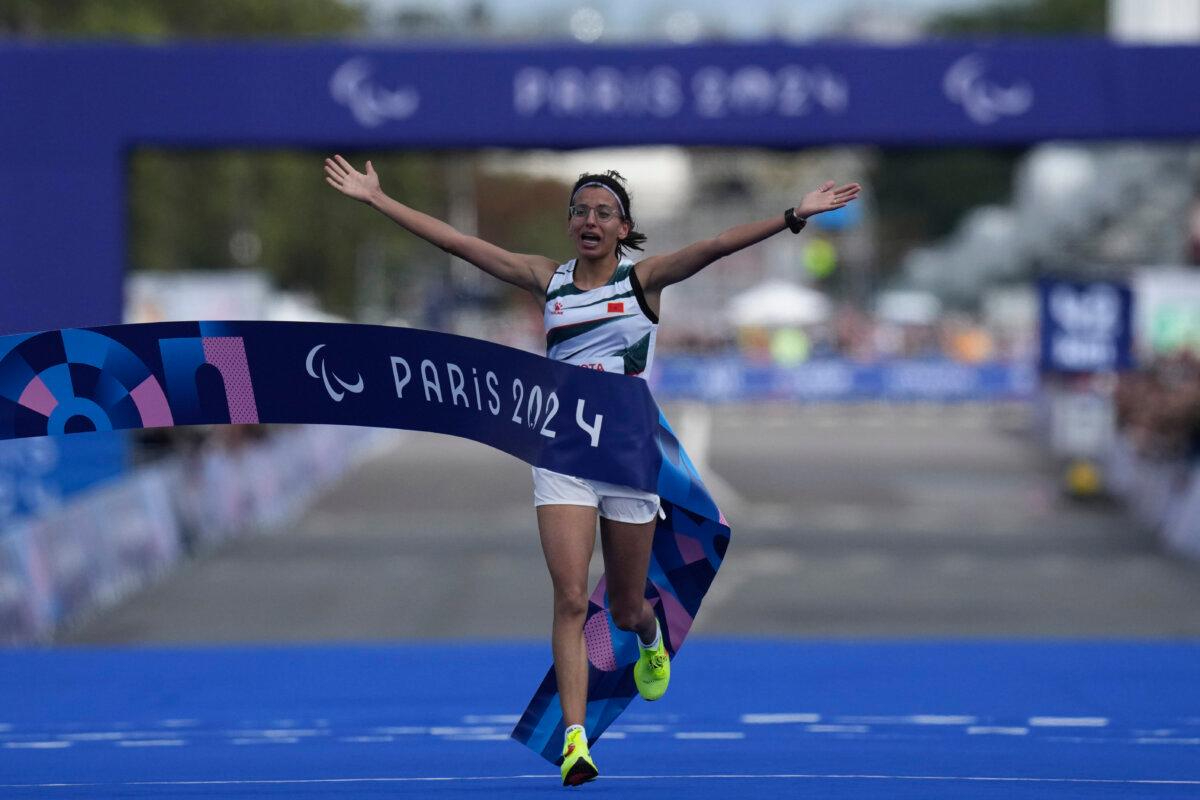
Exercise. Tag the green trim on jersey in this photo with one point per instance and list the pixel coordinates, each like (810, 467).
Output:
(563, 291)
(636, 355)
(564, 333)
(619, 274)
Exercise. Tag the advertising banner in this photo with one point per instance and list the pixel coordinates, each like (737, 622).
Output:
(828, 380)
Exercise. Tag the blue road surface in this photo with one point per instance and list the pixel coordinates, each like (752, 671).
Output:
(753, 718)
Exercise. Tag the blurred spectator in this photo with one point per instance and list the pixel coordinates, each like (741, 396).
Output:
(963, 340)
(1194, 234)
(852, 334)
(1158, 408)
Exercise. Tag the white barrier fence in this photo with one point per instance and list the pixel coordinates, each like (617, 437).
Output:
(110, 541)
(1163, 495)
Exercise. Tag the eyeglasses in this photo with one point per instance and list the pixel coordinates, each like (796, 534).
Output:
(581, 211)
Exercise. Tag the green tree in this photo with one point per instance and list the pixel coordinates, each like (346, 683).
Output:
(186, 206)
(524, 215)
(1026, 18)
(160, 19)
(923, 193)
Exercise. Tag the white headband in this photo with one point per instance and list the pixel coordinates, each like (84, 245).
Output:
(605, 188)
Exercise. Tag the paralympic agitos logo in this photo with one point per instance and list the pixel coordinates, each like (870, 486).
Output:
(371, 104)
(353, 388)
(984, 100)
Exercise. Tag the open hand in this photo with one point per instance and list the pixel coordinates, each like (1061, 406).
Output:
(349, 181)
(827, 198)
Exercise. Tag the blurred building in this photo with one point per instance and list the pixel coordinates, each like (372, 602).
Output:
(1154, 21)
(1090, 210)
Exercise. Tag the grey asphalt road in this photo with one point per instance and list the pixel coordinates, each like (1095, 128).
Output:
(848, 522)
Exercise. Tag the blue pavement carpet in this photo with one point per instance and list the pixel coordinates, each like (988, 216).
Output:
(753, 718)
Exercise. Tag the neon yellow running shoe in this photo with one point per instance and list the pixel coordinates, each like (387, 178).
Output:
(652, 672)
(577, 765)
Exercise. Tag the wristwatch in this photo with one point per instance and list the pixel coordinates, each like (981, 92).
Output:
(794, 224)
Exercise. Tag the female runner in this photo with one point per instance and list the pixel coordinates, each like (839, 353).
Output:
(601, 312)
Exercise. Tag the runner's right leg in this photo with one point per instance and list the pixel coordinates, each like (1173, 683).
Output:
(568, 535)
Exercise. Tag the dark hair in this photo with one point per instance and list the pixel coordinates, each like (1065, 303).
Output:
(613, 181)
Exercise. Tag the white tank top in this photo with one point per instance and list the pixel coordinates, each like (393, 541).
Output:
(609, 328)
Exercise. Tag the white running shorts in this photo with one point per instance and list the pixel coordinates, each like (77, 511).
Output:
(618, 503)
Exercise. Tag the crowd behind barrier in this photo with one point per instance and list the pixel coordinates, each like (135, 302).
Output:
(1154, 461)
(59, 567)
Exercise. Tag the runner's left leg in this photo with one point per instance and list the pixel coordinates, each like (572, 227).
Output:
(627, 548)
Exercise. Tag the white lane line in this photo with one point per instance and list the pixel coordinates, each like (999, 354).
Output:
(910, 719)
(997, 730)
(637, 729)
(941, 719)
(478, 737)
(1068, 722)
(277, 733)
(401, 730)
(270, 740)
(837, 728)
(610, 777)
(471, 730)
(179, 723)
(1166, 740)
(779, 719)
(495, 719)
(710, 735)
(37, 745)
(102, 736)
(151, 743)
(366, 739)
(1079, 739)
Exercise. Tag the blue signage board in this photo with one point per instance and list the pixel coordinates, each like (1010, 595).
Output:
(834, 380)
(1086, 327)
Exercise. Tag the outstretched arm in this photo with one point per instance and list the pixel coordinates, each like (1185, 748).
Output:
(658, 272)
(529, 272)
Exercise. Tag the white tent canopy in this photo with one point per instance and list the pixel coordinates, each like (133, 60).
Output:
(778, 304)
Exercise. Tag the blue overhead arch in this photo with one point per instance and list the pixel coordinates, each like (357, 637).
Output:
(72, 112)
